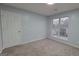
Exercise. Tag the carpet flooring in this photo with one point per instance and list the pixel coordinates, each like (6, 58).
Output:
(45, 47)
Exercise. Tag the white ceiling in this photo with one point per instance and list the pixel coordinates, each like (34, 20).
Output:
(44, 9)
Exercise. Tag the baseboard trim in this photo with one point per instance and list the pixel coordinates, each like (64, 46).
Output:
(28, 42)
(34, 40)
(65, 42)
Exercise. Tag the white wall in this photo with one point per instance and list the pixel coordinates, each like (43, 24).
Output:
(73, 36)
(34, 26)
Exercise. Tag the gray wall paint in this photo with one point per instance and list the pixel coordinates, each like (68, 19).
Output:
(34, 26)
(73, 25)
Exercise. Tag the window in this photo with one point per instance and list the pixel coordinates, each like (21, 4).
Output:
(55, 21)
(55, 26)
(64, 20)
(60, 26)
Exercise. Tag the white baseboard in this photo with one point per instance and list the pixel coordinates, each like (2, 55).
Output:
(28, 41)
(65, 42)
(34, 40)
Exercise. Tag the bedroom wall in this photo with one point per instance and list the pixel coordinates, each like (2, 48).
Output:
(33, 26)
(73, 32)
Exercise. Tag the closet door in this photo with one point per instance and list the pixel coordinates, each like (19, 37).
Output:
(0, 33)
(11, 26)
(0, 39)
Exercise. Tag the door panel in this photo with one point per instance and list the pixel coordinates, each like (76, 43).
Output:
(0, 33)
(11, 25)
(0, 39)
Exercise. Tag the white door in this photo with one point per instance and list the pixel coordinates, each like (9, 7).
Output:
(11, 26)
(0, 39)
(0, 33)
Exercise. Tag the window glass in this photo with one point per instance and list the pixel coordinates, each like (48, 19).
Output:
(55, 21)
(64, 20)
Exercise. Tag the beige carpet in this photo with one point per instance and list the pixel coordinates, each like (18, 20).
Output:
(45, 47)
